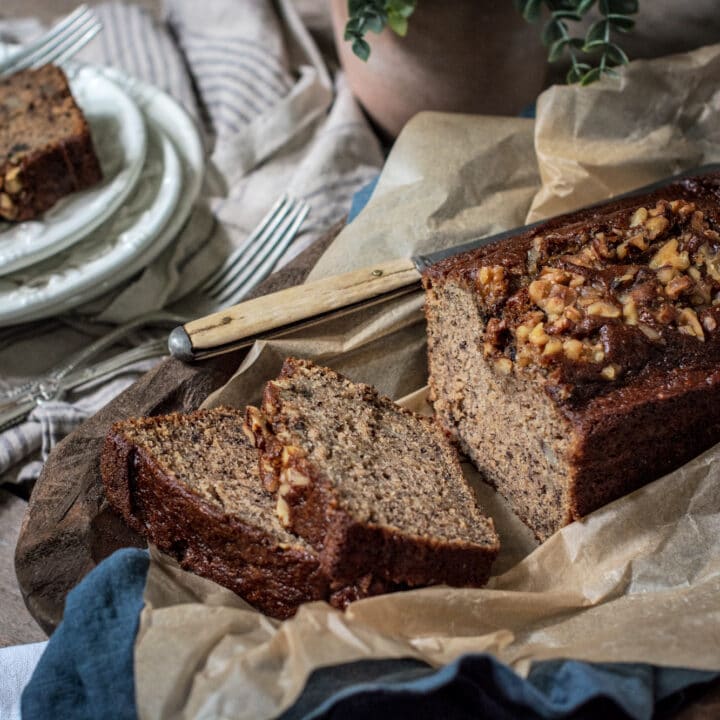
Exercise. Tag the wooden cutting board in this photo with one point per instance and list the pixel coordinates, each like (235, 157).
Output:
(69, 527)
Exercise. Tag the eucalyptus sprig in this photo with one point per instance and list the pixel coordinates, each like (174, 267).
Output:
(596, 45)
(591, 56)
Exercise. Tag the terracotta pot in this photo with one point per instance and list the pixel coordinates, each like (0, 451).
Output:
(475, 56)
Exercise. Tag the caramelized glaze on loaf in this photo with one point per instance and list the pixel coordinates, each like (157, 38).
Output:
(374, 487)
(581, 359)
(46, 151)
(189, 484)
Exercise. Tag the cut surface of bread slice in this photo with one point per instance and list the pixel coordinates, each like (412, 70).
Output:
(46, 151)
(189, 483)
(373, 487)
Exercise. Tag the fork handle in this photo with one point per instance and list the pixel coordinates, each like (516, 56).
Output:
(286, 307)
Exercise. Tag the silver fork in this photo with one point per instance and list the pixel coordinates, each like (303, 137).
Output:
(61, 42)
(16, 410)
(250, 264)
(239, 274)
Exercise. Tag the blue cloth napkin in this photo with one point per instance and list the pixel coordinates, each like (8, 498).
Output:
(87, 672)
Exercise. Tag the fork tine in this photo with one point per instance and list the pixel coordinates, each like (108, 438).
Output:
(77, 45)
(263, 245)
(219, 275)
(269, 264)
(58, 44)
(266, 257)
(58, 29)
(267, 234)
(57, 35)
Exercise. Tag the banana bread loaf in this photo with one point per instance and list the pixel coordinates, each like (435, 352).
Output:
(373, 487)
(46, 151)
(189, 483)
(579, 360)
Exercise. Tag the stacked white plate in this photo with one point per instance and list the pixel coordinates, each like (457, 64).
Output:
(93, 241)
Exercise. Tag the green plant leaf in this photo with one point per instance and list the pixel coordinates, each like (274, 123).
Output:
(552, 32)
(361, 48)
(594, 47)
(591, 76)
(567, 15)
(576, 72)
(373, 23)
(557, 49)
(404, 8)
(532, 9)
(621, 22)
(597, 31)
(398, 24)
(584, 6)
(616, 55)
(623, 7)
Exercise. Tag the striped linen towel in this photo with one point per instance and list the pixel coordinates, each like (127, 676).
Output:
(273, 119)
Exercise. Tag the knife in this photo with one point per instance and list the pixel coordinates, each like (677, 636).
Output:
(279, 313)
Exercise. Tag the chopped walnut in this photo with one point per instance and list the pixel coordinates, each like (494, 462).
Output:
(656, 269)
(689, 324)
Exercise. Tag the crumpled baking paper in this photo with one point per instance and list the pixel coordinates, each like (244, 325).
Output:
(636, 581)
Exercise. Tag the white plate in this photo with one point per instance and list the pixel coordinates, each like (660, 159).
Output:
(119, 137)
(84, 275)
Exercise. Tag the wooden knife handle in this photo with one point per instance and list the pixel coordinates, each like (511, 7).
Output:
(290, 305)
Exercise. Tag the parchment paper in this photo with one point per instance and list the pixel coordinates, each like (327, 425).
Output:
(636, 581)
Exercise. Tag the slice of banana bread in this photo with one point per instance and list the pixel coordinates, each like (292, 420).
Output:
(189, 483)
(577, 361)
(373, 487)
(46, 151)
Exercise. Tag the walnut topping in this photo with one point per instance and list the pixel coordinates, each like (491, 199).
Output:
(293, 478)
(13, 183)
(677, 286)
(610, 372)
(249, 434)
(656, 226)
(8, 208)
(689, 324)
(629, 311)
(586, 293)
(290, 453)
(553, 347)
(639, 217)
(603, 309)
(283, 511)
(492, 283)
(254, 418)
(538, 336)
(573, 349)
(668, 256)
